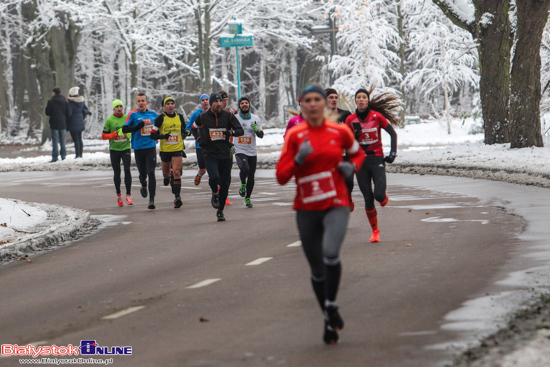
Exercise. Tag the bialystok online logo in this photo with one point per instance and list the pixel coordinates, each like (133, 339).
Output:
(87, 347)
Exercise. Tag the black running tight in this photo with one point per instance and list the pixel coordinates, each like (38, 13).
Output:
(373, 171)
(247, 166)
(116, 157)
(146, 162)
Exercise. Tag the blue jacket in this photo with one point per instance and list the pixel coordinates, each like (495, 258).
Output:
(78, 112)
(140, 141)
(192, 119)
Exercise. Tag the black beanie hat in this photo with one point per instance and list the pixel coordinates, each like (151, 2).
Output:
(331, 91)
(243, 99)
(362, 90)
(313, 89)
(215, 97)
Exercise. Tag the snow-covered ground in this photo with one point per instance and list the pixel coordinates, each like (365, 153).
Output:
(425, 144)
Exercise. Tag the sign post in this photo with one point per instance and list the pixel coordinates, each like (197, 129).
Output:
(332, 29)
(236, 39)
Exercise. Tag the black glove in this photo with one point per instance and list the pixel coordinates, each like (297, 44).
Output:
(390, 158)
(89, 113)
(186, 133)
(184, 155)
(140, 125)
(227, 133)
(165, 136)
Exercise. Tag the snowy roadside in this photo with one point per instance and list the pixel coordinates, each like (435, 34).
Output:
(424, 148)
(26, 228)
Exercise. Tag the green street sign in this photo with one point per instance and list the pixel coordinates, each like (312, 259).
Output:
(236, 41)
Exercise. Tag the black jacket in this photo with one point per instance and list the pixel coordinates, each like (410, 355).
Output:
(343, 115)
(78, 111)
(58, 110)
(204, 128)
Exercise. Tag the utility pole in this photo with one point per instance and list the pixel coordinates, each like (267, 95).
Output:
(331, 29)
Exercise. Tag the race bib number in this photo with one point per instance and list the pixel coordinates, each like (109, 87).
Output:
(146, 130)
(244, 140)
(217, 134)
(317, 187)
(173, 139)
(120, 139)
(368, 136)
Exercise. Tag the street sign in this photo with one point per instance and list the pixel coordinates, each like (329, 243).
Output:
(236, 41)
(235, 27)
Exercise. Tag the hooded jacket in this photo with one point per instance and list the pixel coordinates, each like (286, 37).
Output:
(78, 112)
(58, 110)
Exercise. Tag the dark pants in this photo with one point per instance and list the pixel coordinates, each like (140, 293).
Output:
(373, 171)
(247, 166)
(58, 139)
(146, 162)
(200, 158)
(116, 157)
(78, 144)
(322, 234)
(219, 175)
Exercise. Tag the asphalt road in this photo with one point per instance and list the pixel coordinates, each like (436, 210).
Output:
(438, 250)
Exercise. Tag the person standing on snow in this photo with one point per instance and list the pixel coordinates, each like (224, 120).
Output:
(76, 124)
(58, 111)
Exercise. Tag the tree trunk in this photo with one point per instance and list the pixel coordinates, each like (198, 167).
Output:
(402, 60)
(494, 57)
(207, 52)
(5, 107)
(525, 79)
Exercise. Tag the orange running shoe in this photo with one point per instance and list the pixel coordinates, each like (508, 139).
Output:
(119, 200)
(375, 236)
(385, 202)
(129, 200)
(227, 202)
(197, 180)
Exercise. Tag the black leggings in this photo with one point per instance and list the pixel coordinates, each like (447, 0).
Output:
(200, 158)
(219, 175)
(247, 165)
(78, 144)
(322, 234)
(116, 157)
(373, 170)
(146, 162)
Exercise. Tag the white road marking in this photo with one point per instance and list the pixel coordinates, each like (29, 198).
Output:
(418, 333)
(204, 283)
(259, 261)
(295, 244)
(125, 312)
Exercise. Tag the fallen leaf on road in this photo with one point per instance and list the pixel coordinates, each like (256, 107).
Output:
(428, 213)
(3, 225)
(408, 245)
(410, 210)
(202, 319)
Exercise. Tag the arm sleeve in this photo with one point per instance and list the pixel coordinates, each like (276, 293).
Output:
(260, 133)
(108, 136)
(236, 126)
(353, 150)
(195, 130)
(183, 127)
(155, 132)
(390, 130)
(49, 109)
(286, 168)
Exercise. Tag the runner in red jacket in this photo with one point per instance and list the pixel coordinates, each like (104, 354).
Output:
(367, 123)
(312, 153)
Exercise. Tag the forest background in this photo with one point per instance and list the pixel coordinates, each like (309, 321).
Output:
(486, 59)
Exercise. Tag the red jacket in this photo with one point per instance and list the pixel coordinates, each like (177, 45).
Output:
(320, 185)
(371, 137)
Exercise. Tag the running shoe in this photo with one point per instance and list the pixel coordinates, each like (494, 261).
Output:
(129, 200)
(177, 202)
(166, 181)
(375, 236)
(227, 202)
(143, 191)
(151, 205)
(197, 180)
(215, 201)
(119, 200)
(330, 336)
(248, 203)
(242, 190)
(219, 215)
(385, 202)
(334, 319)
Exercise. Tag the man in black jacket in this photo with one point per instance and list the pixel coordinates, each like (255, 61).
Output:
(58, 110)
(216, 128)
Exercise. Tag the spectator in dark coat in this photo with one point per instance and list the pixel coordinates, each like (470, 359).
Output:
(76, 124)
(58, 110)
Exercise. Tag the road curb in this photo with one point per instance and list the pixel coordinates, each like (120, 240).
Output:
(63, 224)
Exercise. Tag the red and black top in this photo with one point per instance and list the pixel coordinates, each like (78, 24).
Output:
(368, 132)
(320, 184)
